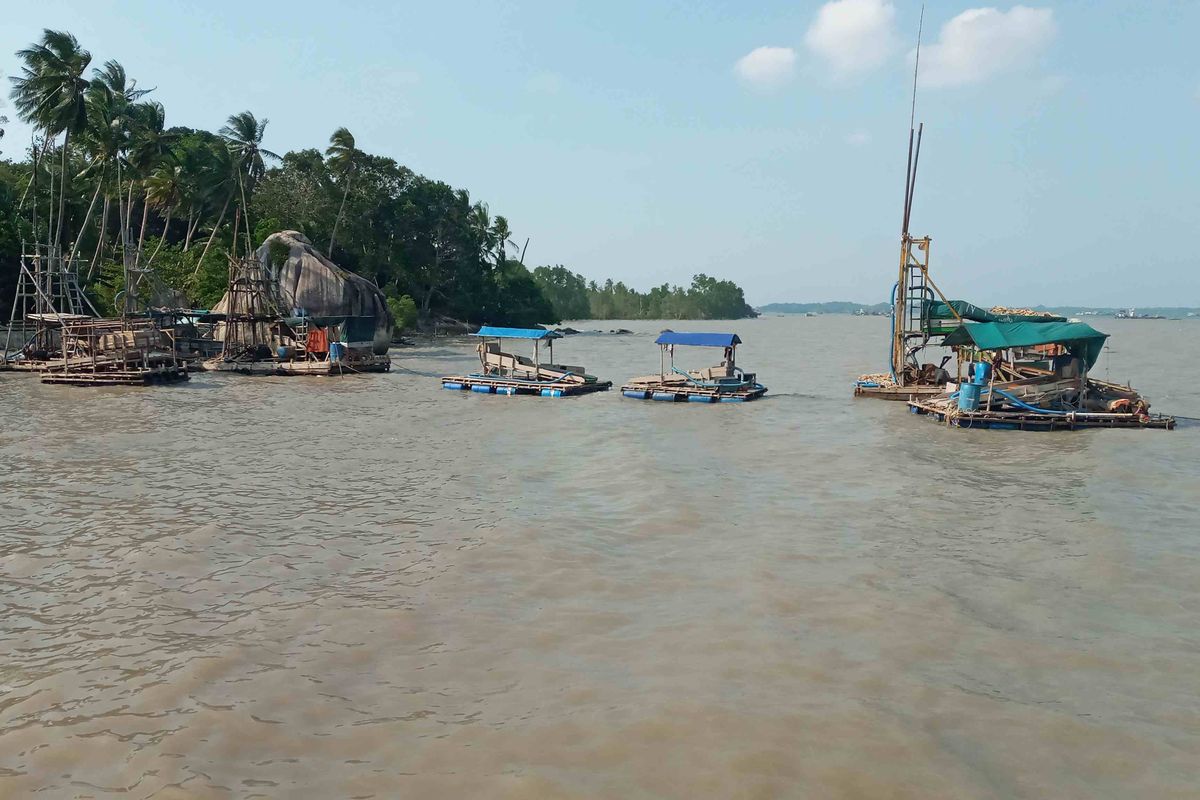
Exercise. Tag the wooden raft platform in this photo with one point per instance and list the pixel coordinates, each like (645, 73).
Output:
(495, 384)
(684, 393)
(372, 363)
(116, 377)
(1032, 421)
(897, 392)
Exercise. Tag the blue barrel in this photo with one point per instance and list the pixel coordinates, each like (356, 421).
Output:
(284, 352)
(336, 351)
(980, 373)
(482, 389)
(453, 386)
(510, 390)
(968, 397)
(552, 393)
(636, 395)
(699, 398)
(668, 397)
(733, 399)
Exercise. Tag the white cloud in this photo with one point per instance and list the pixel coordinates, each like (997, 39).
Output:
(859, 138)
(766, 67)
(853, 36)
(983, 42)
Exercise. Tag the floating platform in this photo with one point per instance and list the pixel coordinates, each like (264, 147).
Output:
(879, 391)
(684, 393)
(950, 414)
(349, 366)
(498, 384)
(130, 376)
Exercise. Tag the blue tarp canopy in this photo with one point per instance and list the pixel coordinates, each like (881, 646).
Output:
(517, 333)
(698, 339)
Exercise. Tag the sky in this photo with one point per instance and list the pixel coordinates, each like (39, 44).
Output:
(763, 142)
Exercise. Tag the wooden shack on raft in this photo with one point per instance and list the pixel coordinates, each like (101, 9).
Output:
(1033, 376)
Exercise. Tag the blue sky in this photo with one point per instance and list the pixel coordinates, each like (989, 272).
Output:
(764, 142)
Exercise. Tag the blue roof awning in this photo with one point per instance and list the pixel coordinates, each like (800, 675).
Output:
(698, 339)
(517, 333)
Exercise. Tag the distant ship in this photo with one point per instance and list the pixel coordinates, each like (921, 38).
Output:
(1131, 313)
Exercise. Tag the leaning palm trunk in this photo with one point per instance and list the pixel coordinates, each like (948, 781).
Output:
(62, 189)
(142, 232)
(87, 217)
(163, 238)
(100, 239)
(192, 222)
(213, 235)
(337, 220)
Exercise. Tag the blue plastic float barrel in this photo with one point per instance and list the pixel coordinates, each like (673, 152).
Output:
(636, 395)
(968, 397)
(509, 390)
(668, 397)
(453, 386)
(733, 399)
(699, 398)
(552, 392)
(482, 389)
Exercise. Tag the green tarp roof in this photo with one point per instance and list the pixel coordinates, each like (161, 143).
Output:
(1081, 339)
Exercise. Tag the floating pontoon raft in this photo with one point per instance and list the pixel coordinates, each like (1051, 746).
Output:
(725, 383)
(1036, 380)
(504, 373)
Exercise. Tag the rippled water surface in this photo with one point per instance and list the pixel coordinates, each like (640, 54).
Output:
(372, 587)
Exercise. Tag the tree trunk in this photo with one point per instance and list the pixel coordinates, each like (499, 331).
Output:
(86, 219)
(191, 228)
(62, 189)
(142, 232)
(100, 240)
(337, 220)
(212, 235)
(166, 227)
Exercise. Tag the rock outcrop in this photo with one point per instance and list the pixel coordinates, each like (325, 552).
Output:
(310, 281)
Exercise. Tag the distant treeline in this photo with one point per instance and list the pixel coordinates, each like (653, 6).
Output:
(845, 307)
(573, 297)
(834, 307)
(108, 180)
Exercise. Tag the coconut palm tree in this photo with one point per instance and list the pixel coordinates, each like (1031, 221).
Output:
(165, 189)
(343, 159)
(502, 237)
(149, 147)
(50, 94)
(244, 135)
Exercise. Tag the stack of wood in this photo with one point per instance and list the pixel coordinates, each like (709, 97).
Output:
(1018, 312)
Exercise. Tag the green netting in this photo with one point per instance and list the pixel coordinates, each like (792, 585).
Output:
(1080, 339)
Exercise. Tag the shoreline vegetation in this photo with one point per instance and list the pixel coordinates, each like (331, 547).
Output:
(107, 179)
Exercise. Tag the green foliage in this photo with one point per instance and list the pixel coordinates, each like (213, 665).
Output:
(433, 250)
(404, 312)
(575, 298)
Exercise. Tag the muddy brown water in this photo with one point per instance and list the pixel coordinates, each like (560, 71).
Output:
(372, 587)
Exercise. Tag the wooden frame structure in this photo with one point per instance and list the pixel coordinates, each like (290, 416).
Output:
(724, 383)
(508, 374)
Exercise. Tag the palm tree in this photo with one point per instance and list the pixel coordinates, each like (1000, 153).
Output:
(244, 135)
(501, 235)
(343, 161)
(50, 94)
(481, 223)
(149, 147)
(164, 191)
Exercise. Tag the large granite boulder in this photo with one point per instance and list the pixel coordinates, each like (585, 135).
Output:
(308, 280)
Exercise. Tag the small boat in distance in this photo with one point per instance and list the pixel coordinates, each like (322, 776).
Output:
(505, 373)
(724, 383)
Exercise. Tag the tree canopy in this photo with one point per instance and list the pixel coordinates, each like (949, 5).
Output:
(106, 179)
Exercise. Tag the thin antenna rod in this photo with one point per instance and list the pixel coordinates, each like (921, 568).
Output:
(912, 117)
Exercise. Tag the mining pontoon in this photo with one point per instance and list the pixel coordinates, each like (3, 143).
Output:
(1034, 376)
(120, 352)
(505, 373)
(724, 383)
